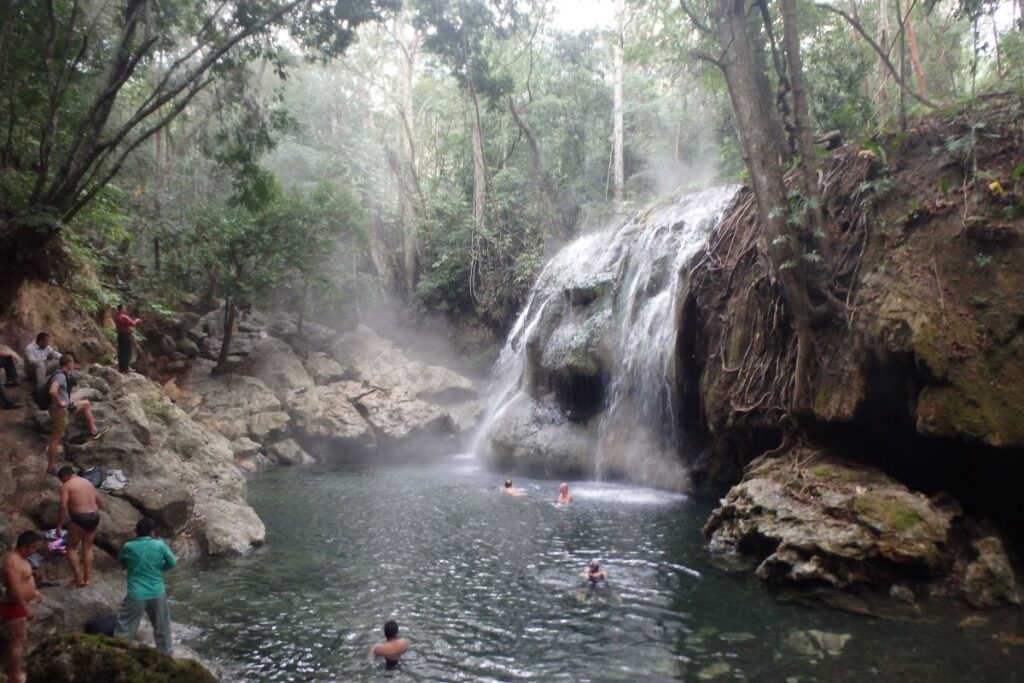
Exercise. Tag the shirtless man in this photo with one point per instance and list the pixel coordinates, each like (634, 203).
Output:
(392, 648)
(19, 591)
(594, 575)
(81, 503)
(509, 490)
(564, 497)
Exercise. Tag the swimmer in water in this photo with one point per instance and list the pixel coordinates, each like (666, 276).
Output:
(594, 575)
(392, 648)
(564, 497)
(509, 490)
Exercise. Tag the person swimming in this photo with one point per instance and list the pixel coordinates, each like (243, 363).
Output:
(392, 648)
(509, 490)
(594, 575)
(564, 497)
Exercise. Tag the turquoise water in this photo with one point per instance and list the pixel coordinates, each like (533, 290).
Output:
(485, 587)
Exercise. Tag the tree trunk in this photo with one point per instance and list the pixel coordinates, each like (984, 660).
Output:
(802, 118)
(229, 331)
(915, 54)
(549, 201)
(380, 254)
(412, 205)
(757, 118)
(884, 41)
(618, 127)
(302, 307)
(479, 165)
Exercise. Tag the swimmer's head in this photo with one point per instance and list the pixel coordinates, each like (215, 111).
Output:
(391, 629)
(508, 483)
(563, 488)
(594, 566)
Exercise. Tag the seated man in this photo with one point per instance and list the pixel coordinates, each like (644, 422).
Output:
(61, 406)
(392, 648)
(41, 359)
(8, 362)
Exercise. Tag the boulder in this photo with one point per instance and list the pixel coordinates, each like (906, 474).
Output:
(273, 362)
(989, 580)
(228, 527)
(325, 370)
(187, 347)
(81, 658)
(534, 437)
(236, 406)
(117, 524)
(397, 416)
(244, 447)
(166, 502)
(167, 344)
(325, 420)
(288, 452)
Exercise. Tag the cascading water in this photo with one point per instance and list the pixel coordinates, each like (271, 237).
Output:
(582, 386)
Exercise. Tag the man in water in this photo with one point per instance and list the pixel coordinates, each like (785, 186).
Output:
(81, 503)
(594, 575)
(392, 648)
(146, 559)
(509, 490)
(19, 591)
(564, 497)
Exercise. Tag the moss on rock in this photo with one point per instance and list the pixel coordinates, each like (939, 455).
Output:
(80, 658)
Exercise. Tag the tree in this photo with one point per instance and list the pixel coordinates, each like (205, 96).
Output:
(69, 132)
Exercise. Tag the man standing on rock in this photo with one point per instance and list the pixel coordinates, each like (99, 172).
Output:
(61, 407)
(81, 503)
(124, 324)
(146, 559)
(19, 591)
(40, 359)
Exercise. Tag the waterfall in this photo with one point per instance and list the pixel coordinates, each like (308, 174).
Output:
(583, 385)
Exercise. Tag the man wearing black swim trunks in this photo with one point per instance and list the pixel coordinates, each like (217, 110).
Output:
(81, 503)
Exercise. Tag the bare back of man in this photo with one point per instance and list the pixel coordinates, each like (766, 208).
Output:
(19, 591)
(81, 502)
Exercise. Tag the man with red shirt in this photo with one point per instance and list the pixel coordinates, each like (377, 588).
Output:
(124, 324)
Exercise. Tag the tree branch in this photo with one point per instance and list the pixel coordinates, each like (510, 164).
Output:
(700, 25)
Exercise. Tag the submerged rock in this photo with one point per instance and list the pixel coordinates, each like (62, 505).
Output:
(80, 658)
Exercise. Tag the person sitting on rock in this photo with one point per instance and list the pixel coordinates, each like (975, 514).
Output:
(19, 591)
(80, 502)
(8, 361)
(124, 324)
(509, 490)
(392, 648)
(564, 497)
(41, 359)
(6, 402)
(61, 406)
(146, 559)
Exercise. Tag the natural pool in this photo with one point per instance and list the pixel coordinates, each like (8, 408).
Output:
(485, 586)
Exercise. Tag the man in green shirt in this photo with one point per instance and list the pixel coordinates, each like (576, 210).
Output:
(146, 559)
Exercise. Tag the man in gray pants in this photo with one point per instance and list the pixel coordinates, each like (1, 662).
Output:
(146, 559)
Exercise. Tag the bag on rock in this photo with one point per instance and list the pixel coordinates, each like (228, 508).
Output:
(103, 625)
(114, 481)
(93, 474)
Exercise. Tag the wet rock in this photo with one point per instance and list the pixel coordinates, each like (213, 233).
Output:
(244, 447)
(288, 452)
(533, 437)
(80, 658)
(817, 644)
(713, 671)
(990, 580)
(902, 593)
(325, 370)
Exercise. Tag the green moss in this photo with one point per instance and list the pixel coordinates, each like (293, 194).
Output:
(158, 409)
(889, 512)
(76, 657)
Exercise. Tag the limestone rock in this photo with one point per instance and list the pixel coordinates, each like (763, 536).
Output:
(534, 437)
(325, 370)
(244, 447)
(80, 658)
(288, 452)
(990, 580)
(187, 347)
(228, 527)
(236, 406)
(273, 362)
(166, 502)
(397, 416)
(117, 524)
(325, 420)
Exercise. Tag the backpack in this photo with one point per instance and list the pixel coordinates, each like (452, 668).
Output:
(102, 625)
(41, 394)
(94, 475)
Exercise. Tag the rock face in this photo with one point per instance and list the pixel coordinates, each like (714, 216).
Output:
(179, 471)
(327, 422)
(273, 362)
(80, 658)
(236, 406)
(812, 520)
